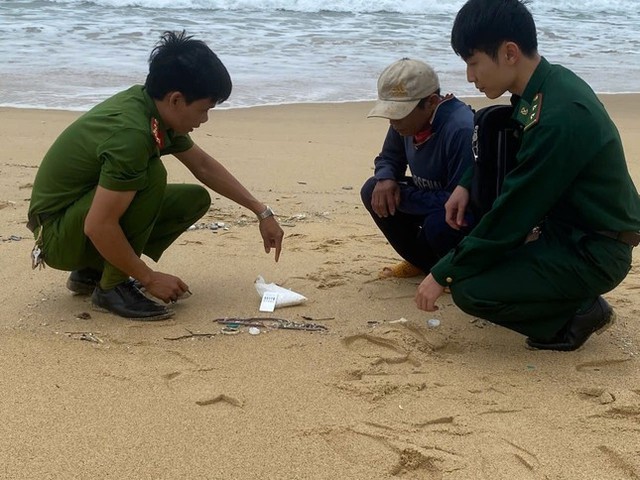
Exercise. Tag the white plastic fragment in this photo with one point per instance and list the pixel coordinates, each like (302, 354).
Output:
(400, 320)
(433, 322)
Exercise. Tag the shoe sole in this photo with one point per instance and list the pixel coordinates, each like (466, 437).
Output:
(78, 288)
(612, 319)
(154, 318)
(609, 323)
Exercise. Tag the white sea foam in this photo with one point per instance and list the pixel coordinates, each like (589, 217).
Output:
(360, 6)
(71, 54)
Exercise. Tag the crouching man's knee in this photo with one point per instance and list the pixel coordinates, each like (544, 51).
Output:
(464, 297)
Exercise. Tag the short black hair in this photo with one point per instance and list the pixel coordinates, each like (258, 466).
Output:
(178, 63)
(484, 25)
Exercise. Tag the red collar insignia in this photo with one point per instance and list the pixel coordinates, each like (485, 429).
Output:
(158, 136)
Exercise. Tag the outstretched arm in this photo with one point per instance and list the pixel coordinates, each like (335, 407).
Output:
(215, 176)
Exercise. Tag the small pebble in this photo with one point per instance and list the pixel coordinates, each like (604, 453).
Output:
(433, 322)
(606, 398)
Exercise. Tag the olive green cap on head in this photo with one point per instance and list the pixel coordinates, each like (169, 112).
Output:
(401, 86)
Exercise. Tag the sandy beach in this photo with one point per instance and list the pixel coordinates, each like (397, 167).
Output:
(87, 395)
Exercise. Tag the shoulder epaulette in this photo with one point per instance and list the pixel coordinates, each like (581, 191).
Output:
(529, 115)
(157, 134)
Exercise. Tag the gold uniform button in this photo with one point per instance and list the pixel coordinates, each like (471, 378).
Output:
(449, 280)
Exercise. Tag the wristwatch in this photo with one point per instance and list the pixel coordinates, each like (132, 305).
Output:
(266, 214)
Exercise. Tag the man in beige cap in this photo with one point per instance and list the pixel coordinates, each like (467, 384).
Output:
(430, 134)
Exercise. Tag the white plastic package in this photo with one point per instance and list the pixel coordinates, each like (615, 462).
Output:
(285, 296)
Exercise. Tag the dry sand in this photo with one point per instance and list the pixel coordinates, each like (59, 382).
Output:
(103, 397)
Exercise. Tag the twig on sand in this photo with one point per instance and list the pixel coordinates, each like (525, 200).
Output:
(191, 335)
(277, 323)
(245, 322)
(86, 336)
(306, 317)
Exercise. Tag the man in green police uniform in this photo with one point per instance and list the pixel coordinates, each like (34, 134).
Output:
(101, 199)
(570, 180)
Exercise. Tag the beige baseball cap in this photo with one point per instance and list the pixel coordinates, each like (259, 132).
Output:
(401, 86)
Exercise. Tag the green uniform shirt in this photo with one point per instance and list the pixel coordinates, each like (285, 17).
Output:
(111, 145)
(570, 170)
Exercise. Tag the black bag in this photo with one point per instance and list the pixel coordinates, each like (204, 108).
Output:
(496, 140)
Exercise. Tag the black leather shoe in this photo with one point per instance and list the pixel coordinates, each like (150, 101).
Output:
(597, 319)
(83, 282)
(128, 302)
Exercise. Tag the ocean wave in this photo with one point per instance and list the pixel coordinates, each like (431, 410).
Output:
(73, 53)
(308, 6)
(359, 6)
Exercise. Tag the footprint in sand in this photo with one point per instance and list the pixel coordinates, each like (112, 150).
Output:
(328, 279)
(193, 386)
(327, 245)
(599, 364)
(390, 452)
(625, 466)
(424, 452)
(380, 350)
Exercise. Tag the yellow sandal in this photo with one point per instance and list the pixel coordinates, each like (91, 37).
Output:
(403, 269)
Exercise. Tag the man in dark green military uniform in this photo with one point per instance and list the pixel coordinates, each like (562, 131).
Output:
(101, 199)
(570, 180)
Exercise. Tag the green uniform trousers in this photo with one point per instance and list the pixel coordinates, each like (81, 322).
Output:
(156, 217)
(538, 287)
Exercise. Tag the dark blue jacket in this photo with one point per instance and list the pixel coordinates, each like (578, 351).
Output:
(437, 164)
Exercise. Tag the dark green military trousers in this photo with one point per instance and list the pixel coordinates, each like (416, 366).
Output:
(156, 217)
(538, 287)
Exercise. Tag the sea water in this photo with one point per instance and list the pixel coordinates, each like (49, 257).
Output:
(71, 54)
